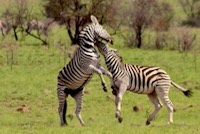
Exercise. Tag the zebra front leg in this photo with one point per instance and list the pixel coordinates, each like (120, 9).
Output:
(104, 71)
(109, 75)
(118, 100)
(103, 83)
(62, 106)
(99, 72)
(78, 99)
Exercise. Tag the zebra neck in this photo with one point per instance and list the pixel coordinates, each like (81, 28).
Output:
(103, 49)
(113, 63)
(88, 48)
(86, 36)
(91, 52)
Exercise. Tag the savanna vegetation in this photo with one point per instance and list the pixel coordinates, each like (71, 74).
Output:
(38, 41)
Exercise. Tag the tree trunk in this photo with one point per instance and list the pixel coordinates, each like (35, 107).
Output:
(138, 31)
(15, 33)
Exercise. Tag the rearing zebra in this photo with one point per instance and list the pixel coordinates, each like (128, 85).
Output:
(152, 81)
(73, 77)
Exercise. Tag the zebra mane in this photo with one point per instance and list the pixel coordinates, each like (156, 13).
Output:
(116, 54)
(105, 49)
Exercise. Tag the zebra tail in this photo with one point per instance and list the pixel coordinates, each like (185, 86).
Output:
(186, 92)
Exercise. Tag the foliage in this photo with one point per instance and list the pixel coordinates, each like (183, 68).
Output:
(144, 14)
(16, 17)
(76, 13)
(144, 27)
(11, 48)
(163, 15)
(20, 18)
(140, 17)
(186, 40)
(192, 9)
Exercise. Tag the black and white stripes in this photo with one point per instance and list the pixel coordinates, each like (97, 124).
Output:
(73, 77)
(152, 81)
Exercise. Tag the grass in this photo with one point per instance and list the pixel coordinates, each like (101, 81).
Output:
(32, 82)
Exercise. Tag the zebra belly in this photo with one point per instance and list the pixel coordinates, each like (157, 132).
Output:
(74, 84)
(142, 90)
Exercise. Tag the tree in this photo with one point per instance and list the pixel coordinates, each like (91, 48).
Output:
(76, 13)
(192, 10)
(140, 17)
(17, 16)
(163, 14)
(142, 14)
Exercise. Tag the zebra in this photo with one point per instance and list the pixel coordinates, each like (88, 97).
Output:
(153, 81)
(39, 26)
(74, 76)
(4, 27)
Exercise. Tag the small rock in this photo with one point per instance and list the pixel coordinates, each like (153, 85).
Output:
(23, 108)
(137, 108)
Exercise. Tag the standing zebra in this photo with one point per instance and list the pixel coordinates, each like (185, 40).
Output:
(152, 81)
(74, 76)
(4, 27)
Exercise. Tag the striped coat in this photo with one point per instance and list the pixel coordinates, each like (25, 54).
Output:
(152, 81)
(78, 72)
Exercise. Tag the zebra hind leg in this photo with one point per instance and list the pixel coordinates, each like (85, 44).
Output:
(163, 92)
(157, 104)
(64, 112)
(118, 108)
(62, 106)
(78, 98)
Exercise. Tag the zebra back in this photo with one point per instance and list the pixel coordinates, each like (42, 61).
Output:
(141, 79)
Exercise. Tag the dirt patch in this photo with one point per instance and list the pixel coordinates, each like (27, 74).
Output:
(23, 108)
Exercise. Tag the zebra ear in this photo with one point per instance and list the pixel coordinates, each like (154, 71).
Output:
(94, 19)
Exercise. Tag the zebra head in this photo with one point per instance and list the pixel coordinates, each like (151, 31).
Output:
(99, 31)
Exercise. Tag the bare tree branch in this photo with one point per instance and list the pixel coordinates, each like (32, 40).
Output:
(74, 14)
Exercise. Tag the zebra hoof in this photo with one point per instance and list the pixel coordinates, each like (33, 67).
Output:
(114, 92)
(105, 89)
(120, 119)
(63, 124)
(83, 124)
(147, 122)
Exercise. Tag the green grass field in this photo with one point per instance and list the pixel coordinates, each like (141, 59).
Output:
(28, 97)
(32, 82)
